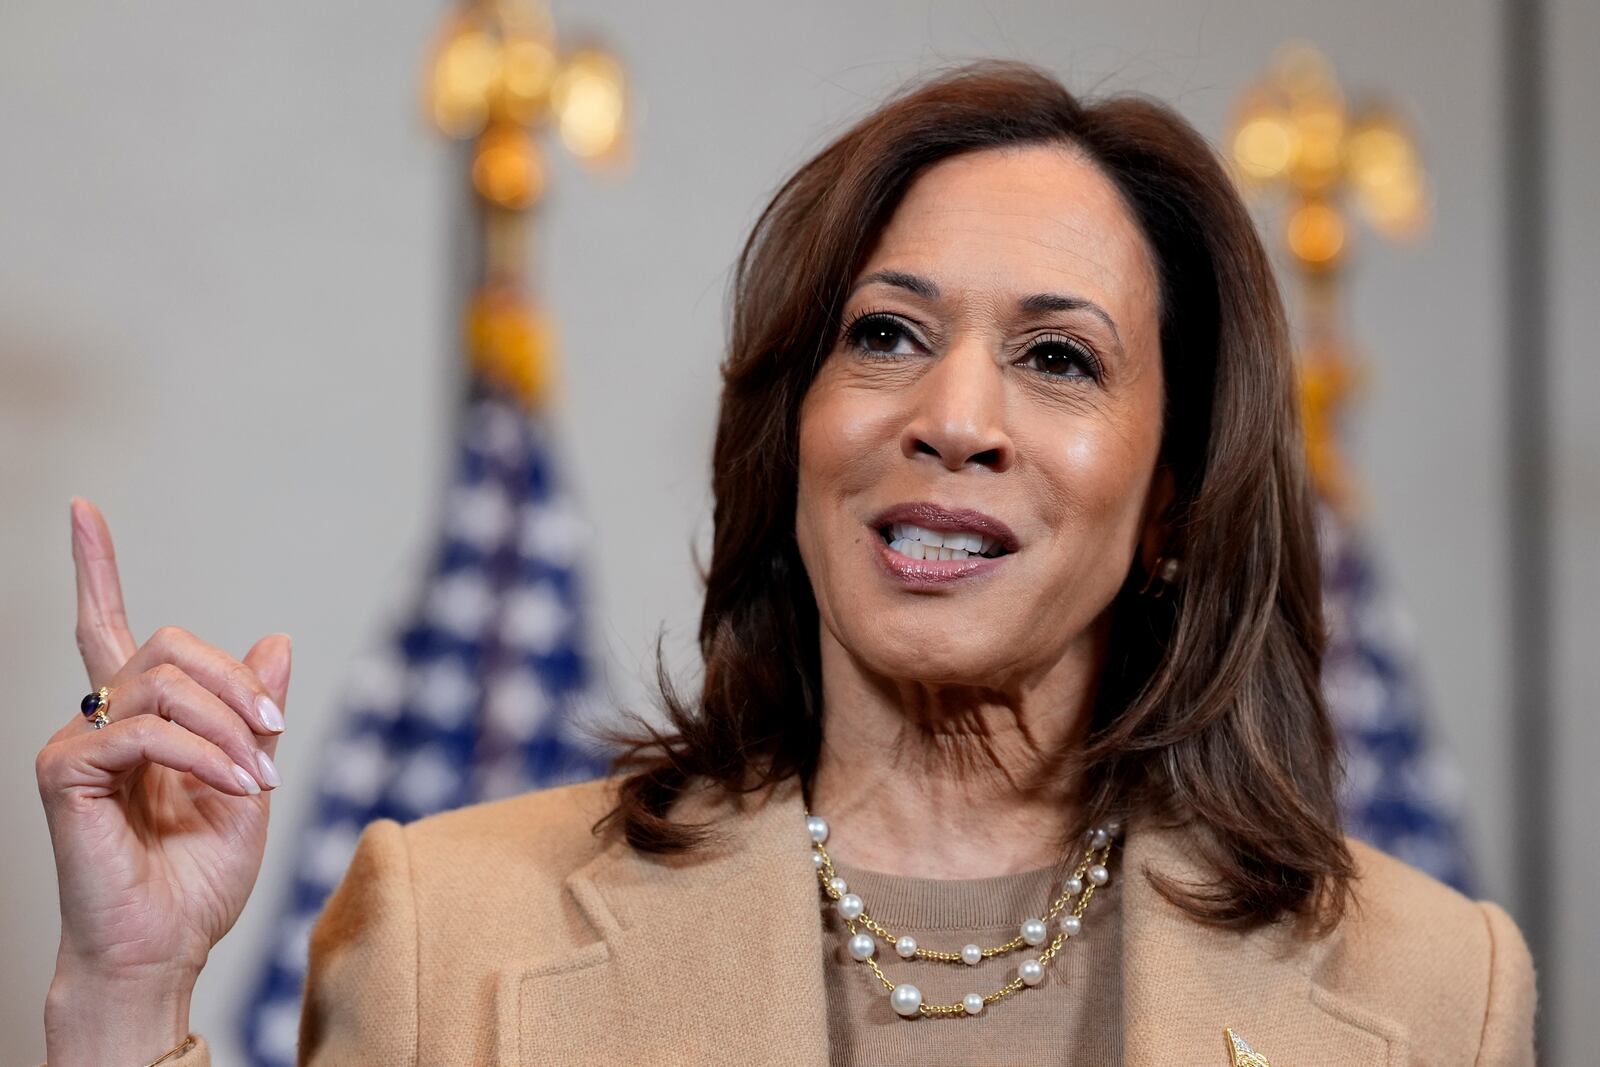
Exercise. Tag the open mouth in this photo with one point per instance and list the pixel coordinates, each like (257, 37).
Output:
(917, 542)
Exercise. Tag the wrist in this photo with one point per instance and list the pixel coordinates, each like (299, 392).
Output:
(110, 1022)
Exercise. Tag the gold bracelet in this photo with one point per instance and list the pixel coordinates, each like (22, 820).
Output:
(183, 1046)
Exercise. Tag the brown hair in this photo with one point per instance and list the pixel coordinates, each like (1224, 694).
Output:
(1209, 711)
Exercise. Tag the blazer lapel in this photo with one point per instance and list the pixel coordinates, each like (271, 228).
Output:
(714, 958)
(1185, 983)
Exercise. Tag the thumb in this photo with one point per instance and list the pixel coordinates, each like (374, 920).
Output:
(271, 658)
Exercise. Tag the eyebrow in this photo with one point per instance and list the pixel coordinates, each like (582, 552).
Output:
(1036, 304)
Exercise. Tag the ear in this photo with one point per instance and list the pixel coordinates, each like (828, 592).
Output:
(1155, 533)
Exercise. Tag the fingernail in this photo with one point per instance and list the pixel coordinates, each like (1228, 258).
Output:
(271, 717)
(246, 779)
(269, 773)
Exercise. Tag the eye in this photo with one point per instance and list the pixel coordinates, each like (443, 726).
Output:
(1061, 357)
(878, 334)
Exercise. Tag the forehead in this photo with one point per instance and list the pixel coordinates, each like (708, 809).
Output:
(1022, 219)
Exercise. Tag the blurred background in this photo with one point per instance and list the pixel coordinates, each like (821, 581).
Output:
(236, 253)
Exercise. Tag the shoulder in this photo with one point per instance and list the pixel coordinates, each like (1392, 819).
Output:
(499, 865)
(1410, 920)
(472, 885)
(553, 825)
(513, 853)
(1411, 944)
(537, 838)
(450, 897)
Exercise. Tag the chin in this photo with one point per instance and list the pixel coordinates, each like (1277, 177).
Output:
(911, 653)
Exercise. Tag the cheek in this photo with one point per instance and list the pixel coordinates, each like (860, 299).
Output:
(1098, 477)
(845, 444)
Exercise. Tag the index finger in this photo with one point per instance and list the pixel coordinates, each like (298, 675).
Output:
(103, 637)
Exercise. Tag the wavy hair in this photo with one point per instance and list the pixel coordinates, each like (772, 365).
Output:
(1209, 712)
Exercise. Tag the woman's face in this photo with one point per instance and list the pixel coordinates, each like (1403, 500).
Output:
(997, 385)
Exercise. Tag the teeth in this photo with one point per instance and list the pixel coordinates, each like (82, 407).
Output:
(918, 550)
(919, 543)
(915, 533)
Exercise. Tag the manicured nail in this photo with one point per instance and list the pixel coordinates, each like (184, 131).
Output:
(246, 779)
(269, 773)
(271, 717)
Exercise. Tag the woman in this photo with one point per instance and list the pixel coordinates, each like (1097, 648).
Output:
(1009, 749)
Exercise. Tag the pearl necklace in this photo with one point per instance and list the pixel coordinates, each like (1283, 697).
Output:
(905, 998)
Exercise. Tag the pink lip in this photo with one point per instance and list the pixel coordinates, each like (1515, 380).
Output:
(936, 573)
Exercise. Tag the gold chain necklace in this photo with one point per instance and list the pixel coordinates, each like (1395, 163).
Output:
(905, 998)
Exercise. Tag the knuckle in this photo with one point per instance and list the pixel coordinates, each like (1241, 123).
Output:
(166, 677)
(167, 673)
(242, 680)
(169, 637)
(142, 729)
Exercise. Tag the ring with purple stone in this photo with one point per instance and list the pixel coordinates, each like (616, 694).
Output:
(96, 707)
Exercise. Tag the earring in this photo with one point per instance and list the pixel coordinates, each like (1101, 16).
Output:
(1165, 573)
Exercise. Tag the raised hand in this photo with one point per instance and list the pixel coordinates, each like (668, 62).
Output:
(158, 820)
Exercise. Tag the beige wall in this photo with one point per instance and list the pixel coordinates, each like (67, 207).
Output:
(226, 250)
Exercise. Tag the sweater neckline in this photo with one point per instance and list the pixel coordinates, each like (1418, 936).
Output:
(1002, 900)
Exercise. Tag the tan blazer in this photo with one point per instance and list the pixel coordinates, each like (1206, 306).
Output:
(505, 933)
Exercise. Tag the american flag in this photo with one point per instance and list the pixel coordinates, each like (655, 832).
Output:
(478, 694)
(1402, 793)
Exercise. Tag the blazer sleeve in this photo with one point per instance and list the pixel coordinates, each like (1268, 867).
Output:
(360, 1003)
(1508, 1019)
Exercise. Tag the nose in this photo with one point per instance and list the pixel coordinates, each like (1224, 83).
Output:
(958, 411)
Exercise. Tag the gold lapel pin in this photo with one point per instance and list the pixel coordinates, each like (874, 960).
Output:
(1243, 1055)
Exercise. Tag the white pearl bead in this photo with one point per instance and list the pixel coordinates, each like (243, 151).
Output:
(973, 1003)
(816, 859)
(1074, 886)
(1071, 925)
(972, 955)
(862, 946)
(850, 906)
(1113, 828)
(1099, 839)
(906, 946)
(817, 827)
(906, 999)
(839, 886)
(1031, 972)
(1099, 875)
(1034, 931)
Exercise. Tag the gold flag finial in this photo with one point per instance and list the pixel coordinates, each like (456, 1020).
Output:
(1293, 133)
(497, 76)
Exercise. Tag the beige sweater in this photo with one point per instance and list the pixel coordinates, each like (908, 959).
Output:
(506, 933)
